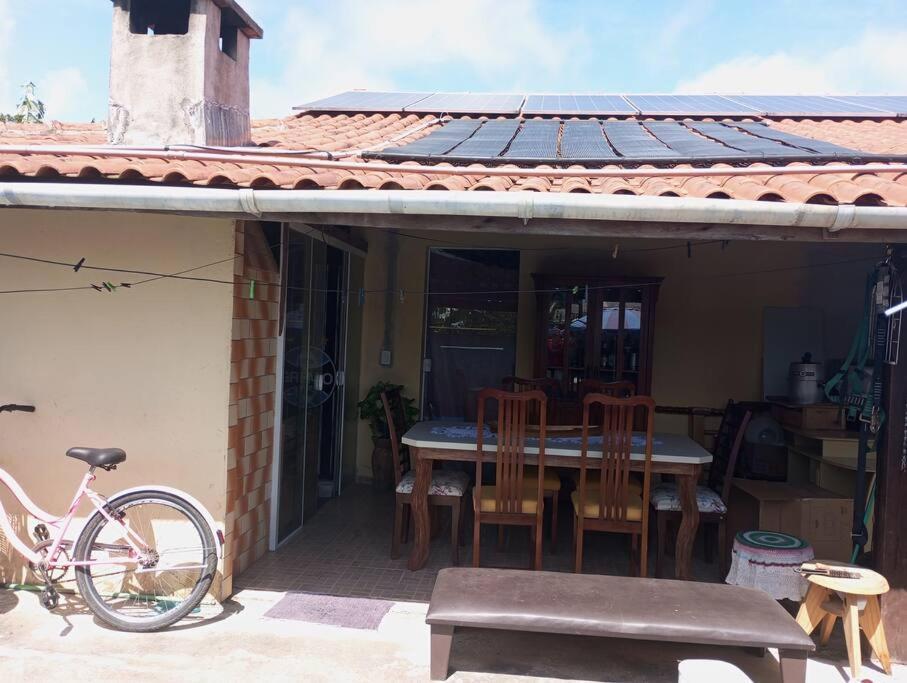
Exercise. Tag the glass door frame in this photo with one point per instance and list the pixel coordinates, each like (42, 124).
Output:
(340, 366)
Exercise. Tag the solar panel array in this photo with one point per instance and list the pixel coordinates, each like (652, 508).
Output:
(355, 100)
(617, 105)
(578, 105)
(536, 141)
(585, 140)
(467, 103)
(679, 105)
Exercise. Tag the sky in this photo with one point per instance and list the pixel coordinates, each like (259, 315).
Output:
(315, 48)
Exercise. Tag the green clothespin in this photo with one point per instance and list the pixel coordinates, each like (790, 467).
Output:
(252, 289)
(575, 290)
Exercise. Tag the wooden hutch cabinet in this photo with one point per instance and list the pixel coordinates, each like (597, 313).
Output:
(599, 327)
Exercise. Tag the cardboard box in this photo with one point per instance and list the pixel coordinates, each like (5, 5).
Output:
(821, 517)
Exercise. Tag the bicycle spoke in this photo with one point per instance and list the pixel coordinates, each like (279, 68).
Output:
(163, 555)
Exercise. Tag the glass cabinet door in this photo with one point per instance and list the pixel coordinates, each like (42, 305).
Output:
(596, 327)
(620, 349)
(567, 338)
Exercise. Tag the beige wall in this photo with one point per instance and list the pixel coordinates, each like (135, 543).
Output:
(708, 329)
(146, 369)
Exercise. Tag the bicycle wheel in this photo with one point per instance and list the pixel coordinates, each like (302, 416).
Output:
(157, 587)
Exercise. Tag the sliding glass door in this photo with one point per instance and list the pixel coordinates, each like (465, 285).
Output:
(312, 358)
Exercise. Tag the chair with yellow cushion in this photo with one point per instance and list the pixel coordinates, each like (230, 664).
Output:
(515, 498)
(552, 481)
(607, 498)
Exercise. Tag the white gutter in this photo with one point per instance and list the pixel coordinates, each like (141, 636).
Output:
(523, 205)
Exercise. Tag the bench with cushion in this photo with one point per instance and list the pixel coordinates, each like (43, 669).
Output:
(611, 607)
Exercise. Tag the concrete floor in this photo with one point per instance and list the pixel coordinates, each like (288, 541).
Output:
(237, 642)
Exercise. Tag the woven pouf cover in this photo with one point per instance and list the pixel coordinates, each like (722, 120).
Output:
(767, 560)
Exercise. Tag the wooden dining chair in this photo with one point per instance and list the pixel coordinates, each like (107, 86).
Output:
(612, 502)
(712, 498)
(552, 480)
(447, 488)
(516, 498)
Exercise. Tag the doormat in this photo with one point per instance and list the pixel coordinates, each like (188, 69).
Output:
(331, 610)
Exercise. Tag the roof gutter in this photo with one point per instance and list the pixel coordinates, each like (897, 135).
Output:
(249, 203)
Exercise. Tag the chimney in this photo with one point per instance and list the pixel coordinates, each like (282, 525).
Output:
(179, 73)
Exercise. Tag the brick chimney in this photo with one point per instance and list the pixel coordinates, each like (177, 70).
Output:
(179, 73)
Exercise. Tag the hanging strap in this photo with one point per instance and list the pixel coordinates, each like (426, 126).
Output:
(846, 386)
(871, 415)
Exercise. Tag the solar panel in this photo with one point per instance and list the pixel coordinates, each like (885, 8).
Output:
(747, 143)
(686, 143)
(513, 140)
(488, 141)
(439, 141)
(798, 141)
(577, 105)
(537, 139)
(896, 104)
(585, 140)
(359, 100)
(630, 139)
(467, 103)
(803, 105)
(702, 105)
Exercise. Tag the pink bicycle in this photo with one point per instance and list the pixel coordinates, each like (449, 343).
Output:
(144, 560)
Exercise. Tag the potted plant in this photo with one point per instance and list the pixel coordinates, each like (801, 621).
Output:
(372, 409)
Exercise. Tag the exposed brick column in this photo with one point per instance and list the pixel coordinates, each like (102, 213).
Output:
(253, 383)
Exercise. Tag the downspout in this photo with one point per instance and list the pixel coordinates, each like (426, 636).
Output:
(520, 205)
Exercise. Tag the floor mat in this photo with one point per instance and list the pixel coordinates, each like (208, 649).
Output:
(361, 613)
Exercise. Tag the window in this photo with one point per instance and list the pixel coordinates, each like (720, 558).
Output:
(159, 17)
(229, 33)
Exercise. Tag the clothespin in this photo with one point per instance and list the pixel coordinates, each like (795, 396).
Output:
(402, 296)
(126, 285)
(109, 286)
(79, 264)
(575, 290)
(252, 289)
(616, 251)
(361, 297)
(97, 288)
(689, 250)
(724, 244)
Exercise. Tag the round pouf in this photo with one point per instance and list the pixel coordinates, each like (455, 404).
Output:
(767, 560)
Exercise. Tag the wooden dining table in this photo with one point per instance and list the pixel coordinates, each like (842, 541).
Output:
(439, 440)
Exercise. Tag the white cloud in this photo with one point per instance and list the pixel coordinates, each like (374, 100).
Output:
(60, 90)
(350, 44)
(7, 27)
(873, 63)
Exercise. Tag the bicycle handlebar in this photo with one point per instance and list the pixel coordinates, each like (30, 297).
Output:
(12, 407)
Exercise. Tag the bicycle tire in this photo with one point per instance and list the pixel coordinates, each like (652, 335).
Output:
(89, 591)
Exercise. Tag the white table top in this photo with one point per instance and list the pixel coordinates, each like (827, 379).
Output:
(445, 434)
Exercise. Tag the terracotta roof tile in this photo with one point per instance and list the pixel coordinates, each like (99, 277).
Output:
(342, 133)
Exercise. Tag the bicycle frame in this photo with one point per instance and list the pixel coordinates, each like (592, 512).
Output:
(61, 525)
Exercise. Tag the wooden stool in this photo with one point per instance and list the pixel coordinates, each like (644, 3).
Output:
(856, 602)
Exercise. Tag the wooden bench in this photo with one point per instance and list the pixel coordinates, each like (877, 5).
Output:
(611, 607)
